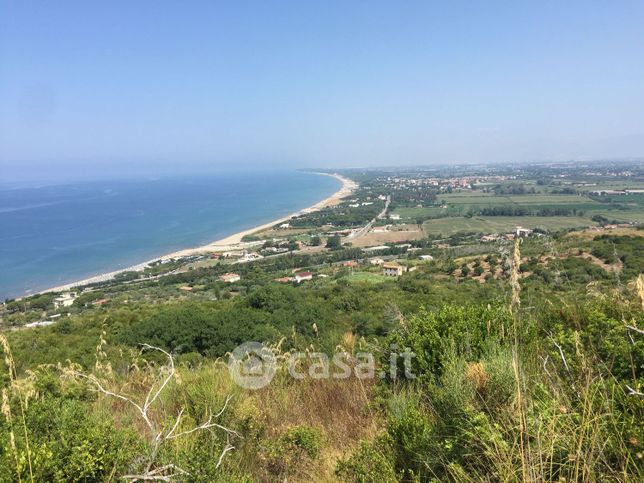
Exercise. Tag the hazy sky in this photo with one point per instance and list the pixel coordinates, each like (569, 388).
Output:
(137, 84)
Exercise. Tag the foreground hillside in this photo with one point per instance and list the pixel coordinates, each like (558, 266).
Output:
(528, 365)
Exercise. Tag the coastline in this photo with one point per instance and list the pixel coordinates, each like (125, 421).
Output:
(230, 242)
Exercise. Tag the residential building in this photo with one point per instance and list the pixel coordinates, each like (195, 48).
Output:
(523, 232)
(302, 276)
(65, 300)
(392, 269)
(230, 278)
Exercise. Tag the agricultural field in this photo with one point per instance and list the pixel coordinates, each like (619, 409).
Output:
(368, 277)
(501, 224)
(474, 211)
(407, 233)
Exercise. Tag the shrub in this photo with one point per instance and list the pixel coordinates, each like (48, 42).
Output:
(371, 462)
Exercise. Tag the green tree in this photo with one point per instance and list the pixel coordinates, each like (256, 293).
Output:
(334, 242)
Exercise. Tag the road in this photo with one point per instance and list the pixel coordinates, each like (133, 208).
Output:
(365, 229)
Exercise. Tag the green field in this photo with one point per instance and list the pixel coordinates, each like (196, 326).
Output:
(367, 277)
(413, 212)
(502, 224)
(626, 208)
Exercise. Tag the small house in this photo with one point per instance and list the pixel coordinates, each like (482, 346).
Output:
(392, 269)
(523, 232)
(302, 276)
(230, 277)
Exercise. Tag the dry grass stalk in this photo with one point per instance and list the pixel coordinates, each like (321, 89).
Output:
(639, 288)
(6, 407)
(514, 277)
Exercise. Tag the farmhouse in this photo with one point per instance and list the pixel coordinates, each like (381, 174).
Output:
(392, 269)
(230, 277)
(302, 276)
(376, 261)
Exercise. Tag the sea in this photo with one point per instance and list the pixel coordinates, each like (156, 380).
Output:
(57, 233)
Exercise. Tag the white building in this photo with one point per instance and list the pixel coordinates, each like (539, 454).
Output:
(43, 323)
(230, 278)
(65, 300)
(522, 232)
(302, 276)
(375, 249)
(249, 257)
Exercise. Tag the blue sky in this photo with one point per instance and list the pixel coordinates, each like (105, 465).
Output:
(118, 85)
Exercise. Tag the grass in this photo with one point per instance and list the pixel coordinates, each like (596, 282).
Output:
(501, 224)
(413, 212)
(623, 216)
(368, 277)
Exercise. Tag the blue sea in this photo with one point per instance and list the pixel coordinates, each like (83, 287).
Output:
(52, 234)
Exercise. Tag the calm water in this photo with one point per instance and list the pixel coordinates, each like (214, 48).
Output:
(50, 235)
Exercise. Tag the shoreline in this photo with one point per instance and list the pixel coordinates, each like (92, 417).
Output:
(230, 242)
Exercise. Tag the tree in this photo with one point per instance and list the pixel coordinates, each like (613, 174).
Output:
(316, 241)
(334, 242)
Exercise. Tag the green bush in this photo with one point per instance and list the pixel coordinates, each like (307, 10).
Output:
(371, 462)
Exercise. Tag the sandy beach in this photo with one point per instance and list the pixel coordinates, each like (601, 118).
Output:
(232, 242)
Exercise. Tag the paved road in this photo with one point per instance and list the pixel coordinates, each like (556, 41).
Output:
(365, 229)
